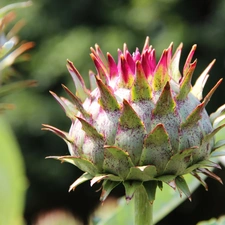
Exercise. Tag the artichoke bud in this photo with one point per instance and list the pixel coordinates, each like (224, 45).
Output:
(143, 123)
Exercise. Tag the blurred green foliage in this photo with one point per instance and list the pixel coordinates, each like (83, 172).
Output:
(220, 221)
(12, 177)
(66, 30)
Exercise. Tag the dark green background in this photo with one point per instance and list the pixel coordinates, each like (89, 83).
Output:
(66, 30)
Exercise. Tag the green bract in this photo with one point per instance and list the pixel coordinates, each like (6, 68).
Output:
(142, 123)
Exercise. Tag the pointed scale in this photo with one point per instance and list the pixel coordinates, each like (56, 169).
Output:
(81, 163)
(195, 115)
(116, 161)
(165, 112)
(203, 183)
(126, 74)
(211, 92)
(219, 120)
(200, 82)
(125, 48)
(89, 129)
(161, 76)
(130, 188)
(98, 52)
(83, 178)
(152, 61)
(209, 174)
(150, 187)
(146, 44)
(99, 177)
(136, 55)
(219, 112)
(92, 147)
(81, 91)
(58, 132)
(129, 119)
(174, 64)
(107, 187)
(70, 111)
(102, 71)
(183, 187)
(157, 149)
(130, 132)
(179, 162)
(93, 83)
(107, 100)
(218, 144)
(170, 52)
(130, 61)
(188, 60)
(142, 173)
(165, 103)
(145, 62)
(113, 70)
(205, 149)
(141, 89)
(210, 136)
(185, 85)
(77, 102)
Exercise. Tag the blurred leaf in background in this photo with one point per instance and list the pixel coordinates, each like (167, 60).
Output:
(12, 172)
(12, 177)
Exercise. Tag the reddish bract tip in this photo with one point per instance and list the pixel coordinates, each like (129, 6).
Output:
(130, 61)
(189, 58)
(113, 70)
(102, 72)
(145, 60)
(136, 55)
(163, 62)
(125, 69)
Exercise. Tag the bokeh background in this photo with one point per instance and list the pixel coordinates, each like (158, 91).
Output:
(67, 29)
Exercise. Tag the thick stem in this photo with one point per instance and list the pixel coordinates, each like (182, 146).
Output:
(143, 208)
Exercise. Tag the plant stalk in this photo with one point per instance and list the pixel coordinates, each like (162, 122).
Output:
(143, 208)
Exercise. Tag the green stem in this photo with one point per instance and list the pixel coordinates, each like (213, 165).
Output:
(143, 208)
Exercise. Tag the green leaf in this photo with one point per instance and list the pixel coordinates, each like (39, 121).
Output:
(213, 221)
(165, 202)
(12, 177)
(13, 6)
(10, 88)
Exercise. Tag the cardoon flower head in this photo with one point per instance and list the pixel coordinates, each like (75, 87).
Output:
(142, 123)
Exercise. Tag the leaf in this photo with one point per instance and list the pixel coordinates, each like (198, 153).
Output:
(165, 202)
(10, 88)
(13, 6)
(12, 177)
(213, 221)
